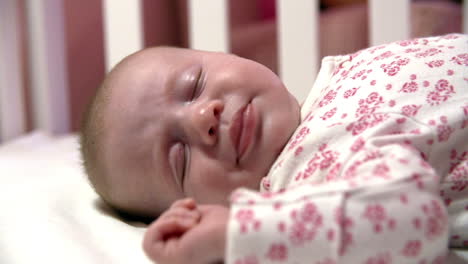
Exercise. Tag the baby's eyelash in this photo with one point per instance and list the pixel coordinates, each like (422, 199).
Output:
(178, 162)
(185, 164)
(197, 88)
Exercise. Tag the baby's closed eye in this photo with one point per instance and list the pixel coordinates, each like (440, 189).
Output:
(179, 161)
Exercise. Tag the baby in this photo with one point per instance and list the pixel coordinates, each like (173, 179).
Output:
(358, 174)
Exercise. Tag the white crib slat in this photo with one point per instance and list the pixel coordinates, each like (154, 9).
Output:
(123, 31)
(389, 21)
(48, 66)
(12, 114)
(208, 25)
(298, 44)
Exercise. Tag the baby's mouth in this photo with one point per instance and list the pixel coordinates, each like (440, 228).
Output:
(242, 129)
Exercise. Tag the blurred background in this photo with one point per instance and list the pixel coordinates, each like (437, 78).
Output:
(343, 29)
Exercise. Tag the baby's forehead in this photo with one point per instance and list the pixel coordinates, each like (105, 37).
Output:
(149, 78)
(165, 55)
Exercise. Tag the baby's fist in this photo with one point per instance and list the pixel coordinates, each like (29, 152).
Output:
(188, 233)
(162, 237)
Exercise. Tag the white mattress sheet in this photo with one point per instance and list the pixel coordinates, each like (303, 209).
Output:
(49, 213)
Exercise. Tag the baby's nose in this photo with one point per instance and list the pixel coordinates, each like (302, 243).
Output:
(206, 120)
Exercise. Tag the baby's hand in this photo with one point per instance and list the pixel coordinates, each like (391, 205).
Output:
(188, 233)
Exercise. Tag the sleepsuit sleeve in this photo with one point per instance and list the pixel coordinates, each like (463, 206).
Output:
(381, 207)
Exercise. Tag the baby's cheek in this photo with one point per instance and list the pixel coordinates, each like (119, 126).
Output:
(209, 183)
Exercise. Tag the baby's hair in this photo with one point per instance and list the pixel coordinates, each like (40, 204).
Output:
(91, 135)
(93, 132)
(93, 129)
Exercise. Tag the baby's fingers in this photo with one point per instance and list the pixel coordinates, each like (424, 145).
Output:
(162, 236)
(162, 229)
(188, 203)
(180, 213)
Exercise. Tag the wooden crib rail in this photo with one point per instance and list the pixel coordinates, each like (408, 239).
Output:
(208, 25)
(298, 44)
(384, 25)
(12, 113)
(123, 30)
(47, 66)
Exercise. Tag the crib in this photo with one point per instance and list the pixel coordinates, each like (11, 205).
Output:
(61, 219)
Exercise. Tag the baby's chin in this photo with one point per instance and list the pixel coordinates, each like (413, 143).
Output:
(287, 128)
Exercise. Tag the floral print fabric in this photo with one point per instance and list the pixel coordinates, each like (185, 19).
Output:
(377, 171)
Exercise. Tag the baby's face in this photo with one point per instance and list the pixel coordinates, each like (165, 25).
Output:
(191, 123)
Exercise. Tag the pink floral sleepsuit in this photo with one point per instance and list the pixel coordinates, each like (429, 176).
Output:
(377, 171)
